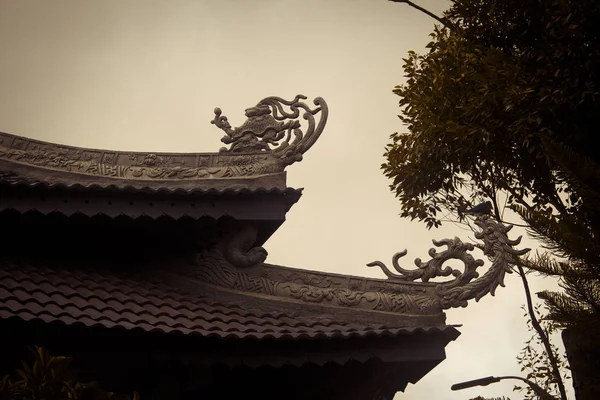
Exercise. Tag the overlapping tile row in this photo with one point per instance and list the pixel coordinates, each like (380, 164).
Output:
(153, 201)
(117, 300)
(140, 188)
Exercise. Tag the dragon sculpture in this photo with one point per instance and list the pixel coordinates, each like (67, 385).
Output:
(273, 129)
(467, 284)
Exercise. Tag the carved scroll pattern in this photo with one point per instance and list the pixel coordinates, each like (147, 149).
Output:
(269, 140)
(270, 127)
(233, 265)
(467, 284)
(149, 166)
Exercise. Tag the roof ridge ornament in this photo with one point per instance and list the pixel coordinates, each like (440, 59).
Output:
(273, 126)
(456, 293)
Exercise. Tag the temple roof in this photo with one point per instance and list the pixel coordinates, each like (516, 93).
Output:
(246, 181)
(38, 163)
(112, 299)
(270, 139)
(172, 243)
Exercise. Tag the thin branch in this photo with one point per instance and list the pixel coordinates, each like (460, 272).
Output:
(557, 202)
(537, 389)
(519, 199)
(514, 223)
(504, 206)
(494, 196)
(536, 325)
(457, 224)
(534, 321)
(441, 20)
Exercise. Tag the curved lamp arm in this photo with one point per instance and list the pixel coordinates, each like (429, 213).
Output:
(537, 389)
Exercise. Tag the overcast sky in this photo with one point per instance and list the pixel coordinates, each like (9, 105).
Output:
(145, 75)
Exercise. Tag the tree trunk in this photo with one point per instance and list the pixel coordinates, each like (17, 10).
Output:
(583, 353)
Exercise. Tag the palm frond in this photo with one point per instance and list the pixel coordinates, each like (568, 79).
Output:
(580, 173)
(564, 235)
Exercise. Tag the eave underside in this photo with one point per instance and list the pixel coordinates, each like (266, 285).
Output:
(318, 369)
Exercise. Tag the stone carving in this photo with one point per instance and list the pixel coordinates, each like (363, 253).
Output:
(266, 143)
(322, 282)
(271, 128)
(149, 166)
(240, 251)
(456, 293)
(456, 249)
(214, 268)
(153, 160)
(236, 263)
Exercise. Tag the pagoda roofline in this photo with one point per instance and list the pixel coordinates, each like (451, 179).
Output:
(44, 163)
(260, 149)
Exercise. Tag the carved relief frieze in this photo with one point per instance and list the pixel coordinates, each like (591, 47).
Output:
(400, 293)
(142, 167)
(215, 270)
(154, 160)
(20, 144)
(305, 279)
(269, 140)
(4, 140)
(236, 263)
(109, 158)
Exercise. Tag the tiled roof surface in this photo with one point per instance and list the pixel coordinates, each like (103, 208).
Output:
(13, 180)
(115, 300)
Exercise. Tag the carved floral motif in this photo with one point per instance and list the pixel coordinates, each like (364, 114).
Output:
(467, 284)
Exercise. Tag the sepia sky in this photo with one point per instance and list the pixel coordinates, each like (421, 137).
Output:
(145, 75)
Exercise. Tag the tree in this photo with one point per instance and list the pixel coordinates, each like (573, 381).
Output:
(503, 107)
(495, 398)
(535, 362)
(51, 378)
(486, 103)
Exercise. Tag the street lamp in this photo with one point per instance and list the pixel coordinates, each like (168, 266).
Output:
(537, 389)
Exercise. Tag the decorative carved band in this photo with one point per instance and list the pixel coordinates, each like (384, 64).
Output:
(456, 293)
(215, 269)
(268, 124)
(271, 128)
(143, 166)
(235, 263)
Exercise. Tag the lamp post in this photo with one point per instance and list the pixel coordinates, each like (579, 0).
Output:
(537, 389)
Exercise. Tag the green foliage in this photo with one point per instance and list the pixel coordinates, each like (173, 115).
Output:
(535, 362)
(490, 398)
(479, 104)
(504, 106)
(51, 378)
(575, 238)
